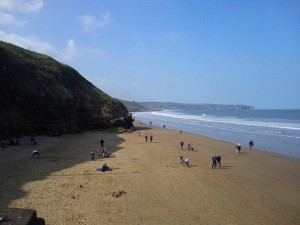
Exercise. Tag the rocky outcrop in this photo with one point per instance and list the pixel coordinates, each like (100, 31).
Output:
(39, 94)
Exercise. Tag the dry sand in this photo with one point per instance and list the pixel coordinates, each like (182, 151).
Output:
(253, 187)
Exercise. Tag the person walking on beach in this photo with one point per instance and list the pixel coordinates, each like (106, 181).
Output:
(151, 138)
(218, 160)
(187, 162)
(101, 143)
(181, 145)
(251, 144)
(238, 148)
(146, 138)
(214, 162)
(189, 146)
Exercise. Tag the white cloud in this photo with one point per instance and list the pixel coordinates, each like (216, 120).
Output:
(26, 42)
(90, 22)
(21, 5)
(15, 6)
(34, 44)
(11, 20)
(70, 52)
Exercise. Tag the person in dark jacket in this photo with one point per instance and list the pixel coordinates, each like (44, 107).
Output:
(214, 162)
(101, 143)
(218, 160)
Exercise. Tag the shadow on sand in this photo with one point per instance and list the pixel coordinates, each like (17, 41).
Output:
(193, 165)
(225, 167)
(141, 128)
(242, 153)
(18, 167)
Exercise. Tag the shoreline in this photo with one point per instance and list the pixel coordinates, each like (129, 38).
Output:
(267, 138)
(265, 151)
(255, 149)
(253, 187)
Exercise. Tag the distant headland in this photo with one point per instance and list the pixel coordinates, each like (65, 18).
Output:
(157, 106)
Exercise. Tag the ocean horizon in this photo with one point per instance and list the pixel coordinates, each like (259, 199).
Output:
(271, 130)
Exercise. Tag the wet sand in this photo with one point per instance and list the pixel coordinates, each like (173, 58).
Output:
(254, 187)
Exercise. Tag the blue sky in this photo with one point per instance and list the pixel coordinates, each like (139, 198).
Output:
(189, 51)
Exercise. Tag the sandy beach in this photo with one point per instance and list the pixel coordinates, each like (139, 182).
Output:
(253, 187)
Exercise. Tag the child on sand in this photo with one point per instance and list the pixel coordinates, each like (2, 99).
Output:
(92, 155)
(35, 153)
(187, 161)
(181, 159)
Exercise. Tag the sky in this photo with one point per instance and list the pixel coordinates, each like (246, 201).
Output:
(186, 51)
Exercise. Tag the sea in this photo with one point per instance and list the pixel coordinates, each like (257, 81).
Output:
(271, 130)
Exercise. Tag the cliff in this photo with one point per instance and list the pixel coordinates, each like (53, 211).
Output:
(39, 94)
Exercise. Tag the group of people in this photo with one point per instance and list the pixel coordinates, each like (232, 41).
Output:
(16, 142)
(216, 159)
(34, 153)
(103, 154)
(150, 138)
(189, 146)
(238, 148)
(186, 161)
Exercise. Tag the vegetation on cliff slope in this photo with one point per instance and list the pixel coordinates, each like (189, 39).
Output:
(39, 94)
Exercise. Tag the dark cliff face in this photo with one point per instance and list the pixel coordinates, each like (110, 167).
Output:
(39, 94)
